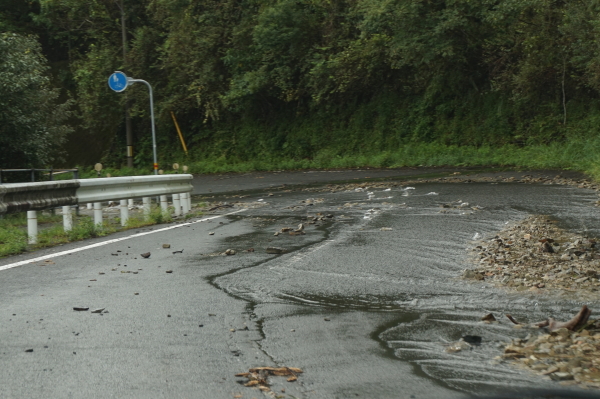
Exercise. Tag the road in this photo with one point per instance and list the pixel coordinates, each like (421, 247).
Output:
(364, 302)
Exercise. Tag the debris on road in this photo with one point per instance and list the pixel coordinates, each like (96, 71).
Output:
(230, 251)
(165, 246)
(98, 310)
(258, 376)
(575, 323)
(178, 252)
(534, 254)
(274, 250)
(488, 318)
(145, 255)
(80, 309)
(169, 271)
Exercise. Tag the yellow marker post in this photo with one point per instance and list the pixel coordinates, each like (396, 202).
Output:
(179, 132)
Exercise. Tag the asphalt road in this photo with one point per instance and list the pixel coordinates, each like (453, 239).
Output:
(365, 302)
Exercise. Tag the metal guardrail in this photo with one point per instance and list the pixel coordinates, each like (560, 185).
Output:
(32, 197)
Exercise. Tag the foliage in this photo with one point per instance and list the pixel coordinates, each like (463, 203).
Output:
(255, 80)
(32, 125)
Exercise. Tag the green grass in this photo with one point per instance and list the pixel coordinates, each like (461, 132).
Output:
(13, 235)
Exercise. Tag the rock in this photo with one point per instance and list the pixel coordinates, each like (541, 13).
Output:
(169, 271)
(212, 233)
(230, 252)
(274, 250)
(98, 310)
(550, 370)
(80, 309)
(470, 274)
(458, 346)
(472, 339)
(561, 376)
(166, 246)
(145, 255)
(28, 350)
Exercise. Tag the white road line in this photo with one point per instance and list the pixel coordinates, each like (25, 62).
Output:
(99, 244)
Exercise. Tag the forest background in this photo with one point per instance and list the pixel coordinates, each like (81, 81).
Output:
(282, 84)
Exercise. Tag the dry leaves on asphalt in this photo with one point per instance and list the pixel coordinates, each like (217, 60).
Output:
(258, 376)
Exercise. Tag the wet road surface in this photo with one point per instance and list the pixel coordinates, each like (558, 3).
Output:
(365, 302)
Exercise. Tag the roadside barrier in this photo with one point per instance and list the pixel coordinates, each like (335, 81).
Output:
(33, 197)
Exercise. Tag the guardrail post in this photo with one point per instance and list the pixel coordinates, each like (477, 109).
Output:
(89, 205)
(164, 206)
(146, 207)
(177, 204)
(32, 227)
(130, 202)
(67, 218)
(184, 203)
(124, 212)
(98, 214)
(189, 199)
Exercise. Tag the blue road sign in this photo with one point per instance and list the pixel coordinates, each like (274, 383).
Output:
(118, 81)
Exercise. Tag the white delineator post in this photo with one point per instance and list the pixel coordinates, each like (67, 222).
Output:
(177, 204)
(124, 212)
(184, 203)
(67, 218)
(98, 214)
(32, 227)
(146, 206)
(164, 205)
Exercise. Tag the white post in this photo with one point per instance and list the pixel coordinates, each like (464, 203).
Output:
(177, 204)
(189, 199)
(124, 212)
(130, 202)
(163, 203)
(67, 218)
(184, 203)
(146, 206)
(98, 214)
(89, 205)
(32, 227)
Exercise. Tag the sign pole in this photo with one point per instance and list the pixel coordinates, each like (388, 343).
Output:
(131, 80)
(118, 82)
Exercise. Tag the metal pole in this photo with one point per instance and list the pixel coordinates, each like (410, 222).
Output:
(152, 117)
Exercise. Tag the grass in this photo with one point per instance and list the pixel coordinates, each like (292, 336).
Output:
(576, 154)
(13, 235)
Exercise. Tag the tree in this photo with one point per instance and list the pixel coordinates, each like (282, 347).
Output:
(32, 124)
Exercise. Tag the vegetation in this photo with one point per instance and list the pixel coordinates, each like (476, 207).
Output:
(270, 84)
(13, 228)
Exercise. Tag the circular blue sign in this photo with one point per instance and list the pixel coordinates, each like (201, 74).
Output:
(117, 81)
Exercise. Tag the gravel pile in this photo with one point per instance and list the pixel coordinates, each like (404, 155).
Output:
(563, 355)
(536, 255)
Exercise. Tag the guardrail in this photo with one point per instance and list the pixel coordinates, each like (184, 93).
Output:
(32, 197)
